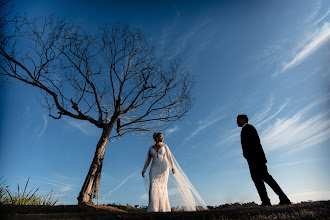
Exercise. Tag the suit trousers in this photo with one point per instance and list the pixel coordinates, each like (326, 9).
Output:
(259, 175)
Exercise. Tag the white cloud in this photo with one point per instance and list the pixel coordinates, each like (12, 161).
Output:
(204, 124)
(261, 115)
(45, 126)
(258, 120)
(292, 163)
(318, 39)
(144, 197)
(296, 132)
(314, 12)
(319, 13)
(27, 117)
(172, 45)
(186, 38)
(230, 137)
(120, 184)
(299, 131)
(265, 117)
(62, 186)
(322, 18)
(171, 130)
(84, 126)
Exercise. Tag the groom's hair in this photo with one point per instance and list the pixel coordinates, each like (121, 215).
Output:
(243, 117)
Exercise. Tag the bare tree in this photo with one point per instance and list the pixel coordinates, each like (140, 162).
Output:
(6, 8)
(108, 76)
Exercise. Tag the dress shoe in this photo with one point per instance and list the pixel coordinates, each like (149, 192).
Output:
(266, 204)
(285, 201)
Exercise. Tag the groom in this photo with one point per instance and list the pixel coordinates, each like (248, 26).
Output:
(255, 156)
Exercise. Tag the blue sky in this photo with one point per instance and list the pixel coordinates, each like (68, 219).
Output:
(266, 59)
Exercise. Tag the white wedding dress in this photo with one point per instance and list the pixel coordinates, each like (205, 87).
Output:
(185, 196)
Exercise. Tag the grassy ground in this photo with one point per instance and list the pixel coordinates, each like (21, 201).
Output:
(305, 210)
(25, 196)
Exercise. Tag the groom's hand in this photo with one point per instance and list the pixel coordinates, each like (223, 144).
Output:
(173, 170)
(142, 174)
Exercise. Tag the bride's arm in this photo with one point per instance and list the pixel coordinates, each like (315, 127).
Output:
(169, 158)
(146, 163)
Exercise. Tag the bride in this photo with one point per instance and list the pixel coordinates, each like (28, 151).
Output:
(162, 159)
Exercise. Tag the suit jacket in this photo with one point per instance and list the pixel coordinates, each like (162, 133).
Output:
(252, 149)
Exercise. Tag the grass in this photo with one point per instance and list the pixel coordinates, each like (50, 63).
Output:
(25, 196)
(302, 211)
(27, 203)
(3, 190)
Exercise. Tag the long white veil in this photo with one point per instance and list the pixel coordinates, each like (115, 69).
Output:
(182, 194)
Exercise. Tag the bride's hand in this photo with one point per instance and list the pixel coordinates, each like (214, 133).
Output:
(173, 170)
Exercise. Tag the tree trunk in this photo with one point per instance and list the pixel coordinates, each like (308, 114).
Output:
(92, 181)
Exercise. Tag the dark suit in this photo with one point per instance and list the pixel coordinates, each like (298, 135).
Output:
(255, 156)
(252, 149)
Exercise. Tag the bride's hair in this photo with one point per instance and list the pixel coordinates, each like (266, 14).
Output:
(156, 135)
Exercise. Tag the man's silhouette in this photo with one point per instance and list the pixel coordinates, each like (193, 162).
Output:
(255, 156)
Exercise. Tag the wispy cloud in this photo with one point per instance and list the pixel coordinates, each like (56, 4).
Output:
(298, 131)
(44, 127)
(122, 183)
(293, 163)
(231, 136)
(144, 196)
(27, 117)
(84, 126)
(203, 125)
(319, 13)
(266, 115)
(186, 38)
(175, 37)
(171, 130)
(322, 18)
(318, 39)
(315, 12)
(61, 186)
(262, 117)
